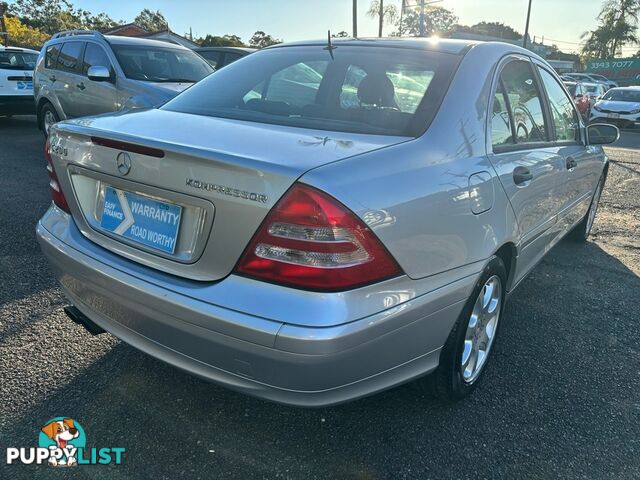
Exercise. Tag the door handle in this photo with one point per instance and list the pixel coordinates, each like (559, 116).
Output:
(81, 86)
(571, 164)
(52, 78)
(522, 175)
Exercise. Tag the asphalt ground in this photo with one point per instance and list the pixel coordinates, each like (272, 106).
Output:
(560, 399)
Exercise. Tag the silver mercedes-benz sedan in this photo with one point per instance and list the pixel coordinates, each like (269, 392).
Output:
(317, 222)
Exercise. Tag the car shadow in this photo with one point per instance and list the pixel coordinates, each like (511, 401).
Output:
(560, 384)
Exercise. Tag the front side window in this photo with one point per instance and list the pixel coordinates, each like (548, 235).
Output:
(95, 56)
(212, 57)
(565, 117)
(522, 91)
(51, 57)
(157, 64)
(231, 57)
(377, 90)
(69, 56)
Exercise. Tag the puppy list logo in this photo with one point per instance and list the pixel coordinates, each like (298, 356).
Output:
(62, 443)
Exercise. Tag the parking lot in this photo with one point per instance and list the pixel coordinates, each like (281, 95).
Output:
(560, 399)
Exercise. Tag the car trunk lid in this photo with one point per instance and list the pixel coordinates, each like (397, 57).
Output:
(222, 175)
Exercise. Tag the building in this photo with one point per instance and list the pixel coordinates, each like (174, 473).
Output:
(133, 30)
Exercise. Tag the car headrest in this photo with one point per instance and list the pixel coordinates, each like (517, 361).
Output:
(376, 89)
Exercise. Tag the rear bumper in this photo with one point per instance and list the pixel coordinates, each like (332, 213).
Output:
(292, 364)
(17, 105)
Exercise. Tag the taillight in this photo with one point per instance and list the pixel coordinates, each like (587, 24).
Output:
(311, 241)
(54, 184)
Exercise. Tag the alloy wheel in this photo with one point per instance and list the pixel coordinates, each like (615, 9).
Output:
(481, 329)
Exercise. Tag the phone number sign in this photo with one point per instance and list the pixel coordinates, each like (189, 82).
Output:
(624, 71)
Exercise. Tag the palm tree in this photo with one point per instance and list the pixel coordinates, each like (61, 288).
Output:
(384, 13)
(618, 24)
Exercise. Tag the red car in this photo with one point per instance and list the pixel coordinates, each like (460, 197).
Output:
(577, 91)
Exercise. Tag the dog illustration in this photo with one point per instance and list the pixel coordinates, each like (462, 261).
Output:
(61, 432)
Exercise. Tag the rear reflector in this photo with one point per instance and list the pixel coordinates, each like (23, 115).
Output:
(311, 241)
(54, 185)
(127, 147)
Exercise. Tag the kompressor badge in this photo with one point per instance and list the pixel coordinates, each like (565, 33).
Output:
(230, 191)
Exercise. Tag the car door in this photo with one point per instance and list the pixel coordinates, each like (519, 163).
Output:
(529, 170)
(583, 164)
(68, 77)
(95, 97)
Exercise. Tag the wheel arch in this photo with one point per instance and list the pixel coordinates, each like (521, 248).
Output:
(508, 254)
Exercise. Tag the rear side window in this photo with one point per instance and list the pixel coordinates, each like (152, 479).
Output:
(375, 90)
(565, 118)
(523, 94)
(95, 56)
(51, 57)
(69, 56)
(501, 133)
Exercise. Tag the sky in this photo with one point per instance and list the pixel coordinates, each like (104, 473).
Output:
(559, 21)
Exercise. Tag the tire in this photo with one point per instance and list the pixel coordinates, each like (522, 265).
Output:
(582, 230)
(48, 116)
(453, 380)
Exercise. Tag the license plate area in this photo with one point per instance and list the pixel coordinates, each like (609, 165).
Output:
(141, 219)
(614, 115)
(196, 219)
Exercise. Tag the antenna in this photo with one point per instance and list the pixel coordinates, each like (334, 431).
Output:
(330, 45)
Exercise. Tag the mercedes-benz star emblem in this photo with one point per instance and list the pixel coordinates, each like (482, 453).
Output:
(124, 163)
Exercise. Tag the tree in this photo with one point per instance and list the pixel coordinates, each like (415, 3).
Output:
(21, 35)
(261, 40)
(384, 13)
(151, 21)
(437, 20)
(495, 29)
(617, 26)
(52, 16)
(224, 41)
(49, 16)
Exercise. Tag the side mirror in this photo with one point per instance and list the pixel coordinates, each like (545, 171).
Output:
(602, 134)
(99, 74)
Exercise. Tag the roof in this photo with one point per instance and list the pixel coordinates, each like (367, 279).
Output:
(131, 27)
(632, 87)
(17, 49)
(445, 45)
(119, 40)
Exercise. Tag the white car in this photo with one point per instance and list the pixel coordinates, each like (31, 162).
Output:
(16, 81)
(620, 106)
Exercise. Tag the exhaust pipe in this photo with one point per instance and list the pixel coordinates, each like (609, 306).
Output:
(81, 319)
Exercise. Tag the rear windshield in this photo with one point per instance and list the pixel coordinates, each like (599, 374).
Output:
(376, 90)
(157, 64)
(17, 60)
(622, 95)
